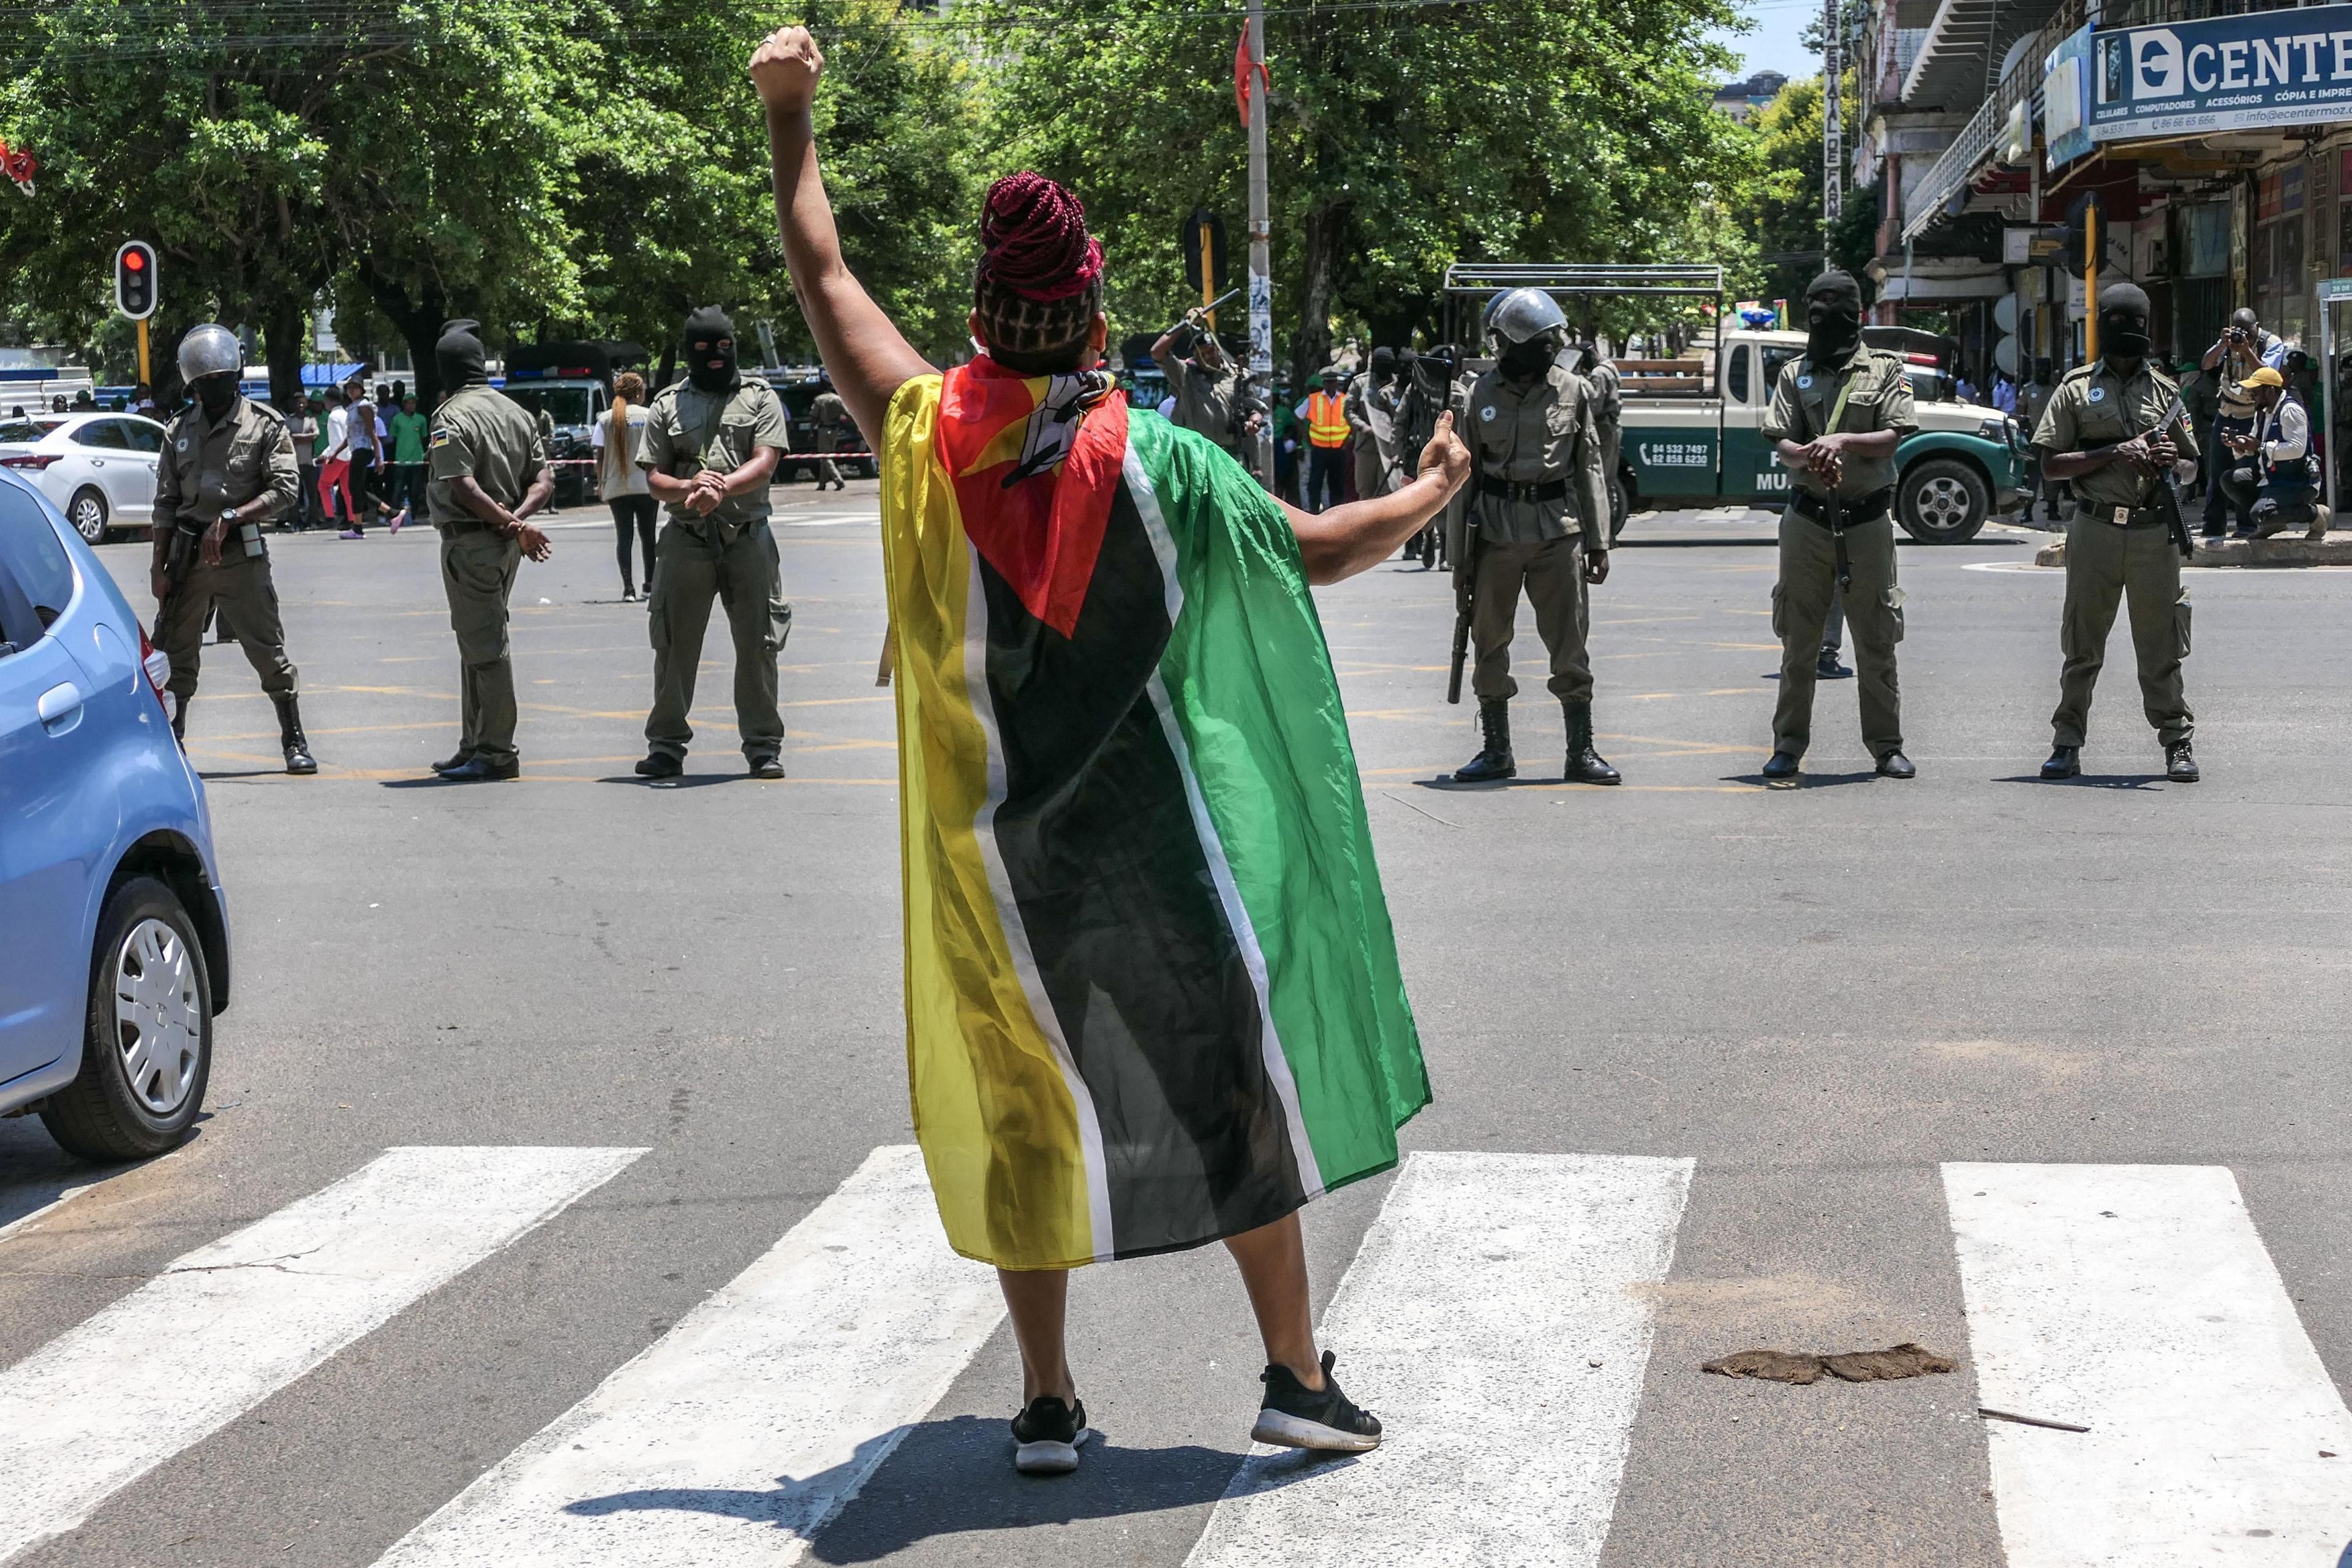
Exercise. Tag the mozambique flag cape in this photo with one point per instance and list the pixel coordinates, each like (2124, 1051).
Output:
(1153, 994)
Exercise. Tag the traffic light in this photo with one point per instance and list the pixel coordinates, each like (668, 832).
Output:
(134, 279)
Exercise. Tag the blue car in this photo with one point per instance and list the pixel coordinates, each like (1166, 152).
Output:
(113, 926)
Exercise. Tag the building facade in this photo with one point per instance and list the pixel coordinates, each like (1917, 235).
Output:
(2214, 137)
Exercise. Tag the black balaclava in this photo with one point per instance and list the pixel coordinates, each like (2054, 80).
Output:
(1383, 366)
(2123, 323)
(215, 393)
(1832, 318)
(708, 336)
(1529, 360)
(459, 356)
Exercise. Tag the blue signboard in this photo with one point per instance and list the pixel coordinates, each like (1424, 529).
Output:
(2066, 98)
(2227, 73)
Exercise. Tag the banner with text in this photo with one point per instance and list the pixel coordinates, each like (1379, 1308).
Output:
(2227, 73)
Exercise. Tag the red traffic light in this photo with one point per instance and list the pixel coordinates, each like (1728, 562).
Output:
(135, 260)
(135, 279)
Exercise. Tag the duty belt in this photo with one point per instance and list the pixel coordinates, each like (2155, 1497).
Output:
(1852, 513)
(2125, 516)
(1543, 490)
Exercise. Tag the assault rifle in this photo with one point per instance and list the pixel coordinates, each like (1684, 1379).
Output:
(1465, 581)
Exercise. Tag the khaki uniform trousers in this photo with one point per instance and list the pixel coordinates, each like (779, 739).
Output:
(828, 472)
(240, 588)
(1372, 469)
(2104, 564)
(739, 568)
(478, 574)
(1874, 607)
(1553, 573)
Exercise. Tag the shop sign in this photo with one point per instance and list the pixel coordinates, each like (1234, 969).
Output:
(2067, 98)
(2225, 73)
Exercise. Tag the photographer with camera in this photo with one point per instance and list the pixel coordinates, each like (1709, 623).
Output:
(2244, 347)
(2275, 480)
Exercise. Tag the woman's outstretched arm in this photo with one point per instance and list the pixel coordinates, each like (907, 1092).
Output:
(1353, 538)
(865, 354)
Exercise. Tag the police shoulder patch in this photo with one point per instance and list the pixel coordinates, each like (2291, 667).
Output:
(444, 435)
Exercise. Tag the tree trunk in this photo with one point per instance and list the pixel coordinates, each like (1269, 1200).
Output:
(283, 341)
(1311, 349)
(420, 322)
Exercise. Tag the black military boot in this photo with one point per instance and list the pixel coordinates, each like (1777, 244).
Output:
(2180, 762)
(179, 721)
(1494, 759)
(290, 738)
(1584, 764)
(2065, 762)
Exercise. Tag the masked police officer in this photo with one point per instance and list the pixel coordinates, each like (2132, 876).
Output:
(489, 476)
(711, 444)
(1838, 413)
(1537, 455)
(1608, 418)
(2103, 432)
(228, 467)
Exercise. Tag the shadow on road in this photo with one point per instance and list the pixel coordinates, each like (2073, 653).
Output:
(2090, 781)
(953, 1477)
(1804, 780)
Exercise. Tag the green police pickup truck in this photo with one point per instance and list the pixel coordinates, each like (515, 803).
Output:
(1693, 435)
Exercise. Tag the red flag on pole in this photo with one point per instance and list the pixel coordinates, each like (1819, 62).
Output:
(1242, 66)
(18, 166)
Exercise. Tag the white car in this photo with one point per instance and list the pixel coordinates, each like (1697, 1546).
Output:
(97, 469)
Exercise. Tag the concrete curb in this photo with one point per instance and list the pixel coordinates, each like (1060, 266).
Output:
(2280, 549)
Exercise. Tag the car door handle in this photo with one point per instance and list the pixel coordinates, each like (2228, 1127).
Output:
(60, 708)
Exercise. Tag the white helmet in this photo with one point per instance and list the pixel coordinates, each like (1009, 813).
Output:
(210, 350)
(1524, 314)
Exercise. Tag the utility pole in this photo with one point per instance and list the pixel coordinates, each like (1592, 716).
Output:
(1261, 245)
(1833, 138)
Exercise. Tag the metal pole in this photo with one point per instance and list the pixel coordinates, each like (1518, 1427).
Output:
(1833, 136)
(144, 378)
(2091, 243)
(1209, 276)
(1261, 245)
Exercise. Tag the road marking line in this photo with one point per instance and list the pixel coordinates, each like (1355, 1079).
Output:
(2138, 1300)
(1468, 1322)
(236, 1321)
(740, 1433)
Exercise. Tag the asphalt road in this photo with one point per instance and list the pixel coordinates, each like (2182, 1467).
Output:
(1816, 995)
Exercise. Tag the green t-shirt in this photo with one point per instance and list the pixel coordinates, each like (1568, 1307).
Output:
(408, 437)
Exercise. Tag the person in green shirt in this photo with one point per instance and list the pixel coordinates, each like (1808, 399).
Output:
(408, 460)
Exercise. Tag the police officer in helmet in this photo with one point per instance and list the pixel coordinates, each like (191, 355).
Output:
(227, 467)
(1540, 521)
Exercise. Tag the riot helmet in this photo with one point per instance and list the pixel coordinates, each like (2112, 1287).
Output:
(1524, 314)
(210, 350)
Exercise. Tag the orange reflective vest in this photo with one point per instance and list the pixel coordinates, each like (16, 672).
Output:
(1327, 418)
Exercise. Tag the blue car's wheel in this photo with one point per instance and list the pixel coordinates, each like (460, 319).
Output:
(147, 1048)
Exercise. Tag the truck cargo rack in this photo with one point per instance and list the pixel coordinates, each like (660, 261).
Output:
(1466, 282)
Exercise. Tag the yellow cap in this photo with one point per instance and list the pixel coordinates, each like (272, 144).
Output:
(2265, 376)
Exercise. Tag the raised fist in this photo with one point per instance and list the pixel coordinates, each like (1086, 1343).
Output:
(786, 68)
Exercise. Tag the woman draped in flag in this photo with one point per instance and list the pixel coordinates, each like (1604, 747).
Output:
(1153, 994)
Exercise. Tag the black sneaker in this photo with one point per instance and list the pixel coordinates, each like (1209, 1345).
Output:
(1294, 1417)
(1049, 1434)
(660, 766)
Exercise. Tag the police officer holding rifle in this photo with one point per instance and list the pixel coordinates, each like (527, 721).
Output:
(228, 467)
(2116, 431)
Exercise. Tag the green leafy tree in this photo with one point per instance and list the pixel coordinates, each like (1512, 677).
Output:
(1785, 214)
(1402, 139)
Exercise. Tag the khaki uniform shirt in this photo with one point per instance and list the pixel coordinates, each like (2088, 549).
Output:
(2094, 407)
(1207, 400)
(1539, 432)
(1880, 400)
(208, 468)
(828, 413)
(1608, 395)
(691, 431)
(480, 432)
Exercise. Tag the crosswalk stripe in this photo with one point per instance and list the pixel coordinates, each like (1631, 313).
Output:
(236, 1321)
(2138, 1300)
(1470, 1322)
(740, 1433)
